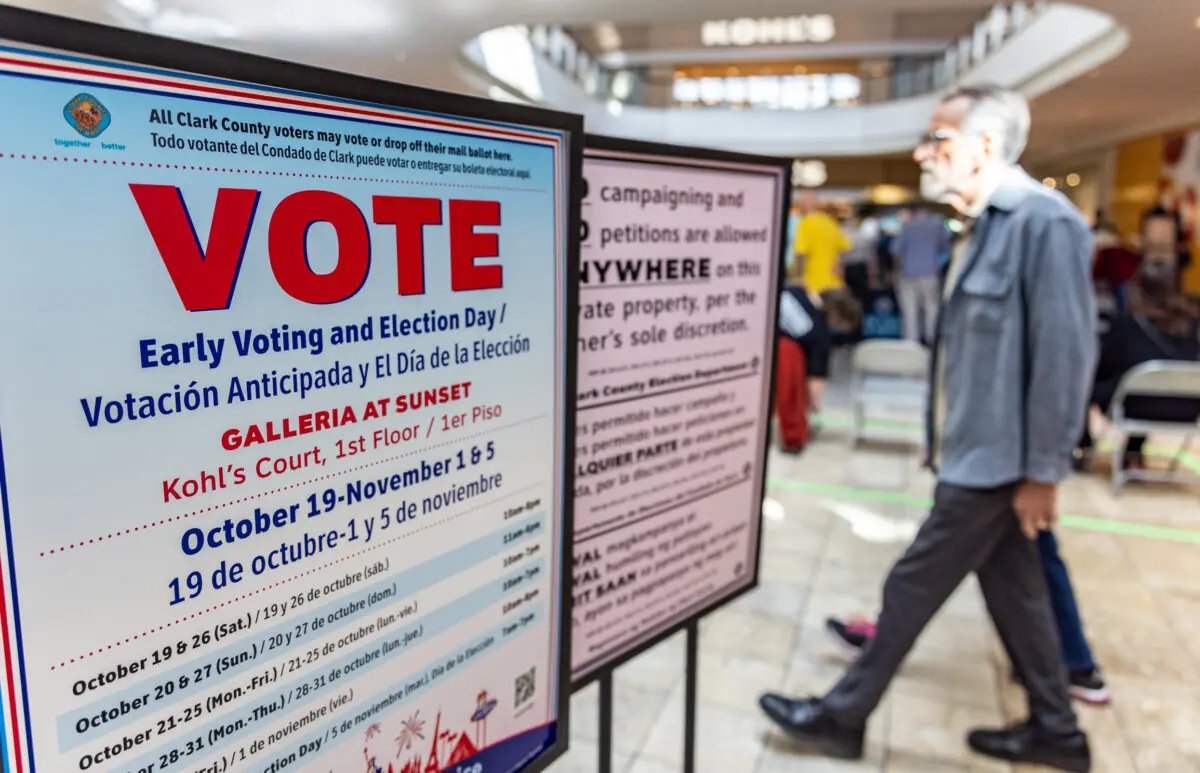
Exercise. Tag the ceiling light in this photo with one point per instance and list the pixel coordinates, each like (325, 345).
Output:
(844, 87)
(889, 194)
(809, 174)
(318, 19)
(615, 108)
(261, 18)
(176, 23)
(607, 36)
(622, 84)
(1073, 179)
(686, 90)
(173, 23)
(1050, 183)
(508, 56)
(140, 7)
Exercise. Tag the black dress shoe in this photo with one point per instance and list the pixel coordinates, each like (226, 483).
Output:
(1029, 743)
(806, 722)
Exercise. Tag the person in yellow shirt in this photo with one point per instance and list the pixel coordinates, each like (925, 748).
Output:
(819, 245)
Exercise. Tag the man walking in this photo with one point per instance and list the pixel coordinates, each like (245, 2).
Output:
(917, 250)
(1013, 358)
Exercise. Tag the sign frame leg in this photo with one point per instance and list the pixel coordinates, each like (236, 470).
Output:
(605, 721)
(690, 696)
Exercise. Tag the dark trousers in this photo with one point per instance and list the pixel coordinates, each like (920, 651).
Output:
(968, 530)
(1075, 649)
(858, 282)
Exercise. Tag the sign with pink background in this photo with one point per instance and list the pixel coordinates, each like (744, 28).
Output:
(679, 273)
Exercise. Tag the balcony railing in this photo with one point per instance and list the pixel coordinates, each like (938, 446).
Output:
(901, 79)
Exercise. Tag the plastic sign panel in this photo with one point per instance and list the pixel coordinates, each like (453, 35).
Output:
(678, 297)
(284, 415)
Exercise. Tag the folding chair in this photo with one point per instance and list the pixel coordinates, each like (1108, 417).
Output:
(891, 374)
(1157, 378)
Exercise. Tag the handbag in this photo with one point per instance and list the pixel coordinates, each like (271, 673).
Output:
(881, 317)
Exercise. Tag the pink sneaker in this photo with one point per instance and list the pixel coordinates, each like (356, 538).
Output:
(851, 635)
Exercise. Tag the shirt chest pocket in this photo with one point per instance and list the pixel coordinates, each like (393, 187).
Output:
(987, 299)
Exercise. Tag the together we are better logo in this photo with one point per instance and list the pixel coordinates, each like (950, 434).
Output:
(87, 115)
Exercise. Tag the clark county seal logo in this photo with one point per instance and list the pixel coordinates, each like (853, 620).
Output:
(87, 115)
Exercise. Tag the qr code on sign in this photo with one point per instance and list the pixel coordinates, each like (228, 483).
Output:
(526, 687)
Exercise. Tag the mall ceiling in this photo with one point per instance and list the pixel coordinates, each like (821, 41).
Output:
(1150, 87)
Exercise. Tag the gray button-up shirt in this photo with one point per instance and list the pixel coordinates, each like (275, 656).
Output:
(1017, 334)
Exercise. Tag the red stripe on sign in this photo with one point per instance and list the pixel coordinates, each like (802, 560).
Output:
(12, 687)
(262, 96)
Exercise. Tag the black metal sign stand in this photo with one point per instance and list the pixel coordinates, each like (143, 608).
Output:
(689, 695)
(606, 701)
(689, 705)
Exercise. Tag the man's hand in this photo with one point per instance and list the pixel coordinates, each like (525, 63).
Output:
(1035, 507)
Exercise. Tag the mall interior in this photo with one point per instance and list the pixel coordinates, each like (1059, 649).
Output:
(845, 90)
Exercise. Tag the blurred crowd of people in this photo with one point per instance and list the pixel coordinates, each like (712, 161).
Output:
(890, 261)
(880, 273)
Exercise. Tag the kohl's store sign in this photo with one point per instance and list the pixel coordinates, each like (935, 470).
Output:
(747, 31)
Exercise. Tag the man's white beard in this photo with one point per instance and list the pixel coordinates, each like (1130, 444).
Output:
(933, 190)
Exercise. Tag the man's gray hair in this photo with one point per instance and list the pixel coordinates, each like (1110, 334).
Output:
(997, 112)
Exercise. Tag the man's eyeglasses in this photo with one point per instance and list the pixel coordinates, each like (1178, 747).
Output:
(937, 137)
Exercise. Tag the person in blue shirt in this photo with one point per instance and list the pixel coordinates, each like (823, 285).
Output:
(918, 251)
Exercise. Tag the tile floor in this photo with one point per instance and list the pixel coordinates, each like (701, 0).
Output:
(845, 517)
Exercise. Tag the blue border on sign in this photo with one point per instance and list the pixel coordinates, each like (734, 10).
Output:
(267, 89)
(557, 136)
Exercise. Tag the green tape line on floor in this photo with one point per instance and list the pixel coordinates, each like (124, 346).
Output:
(1123, 528)
(842, 422)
